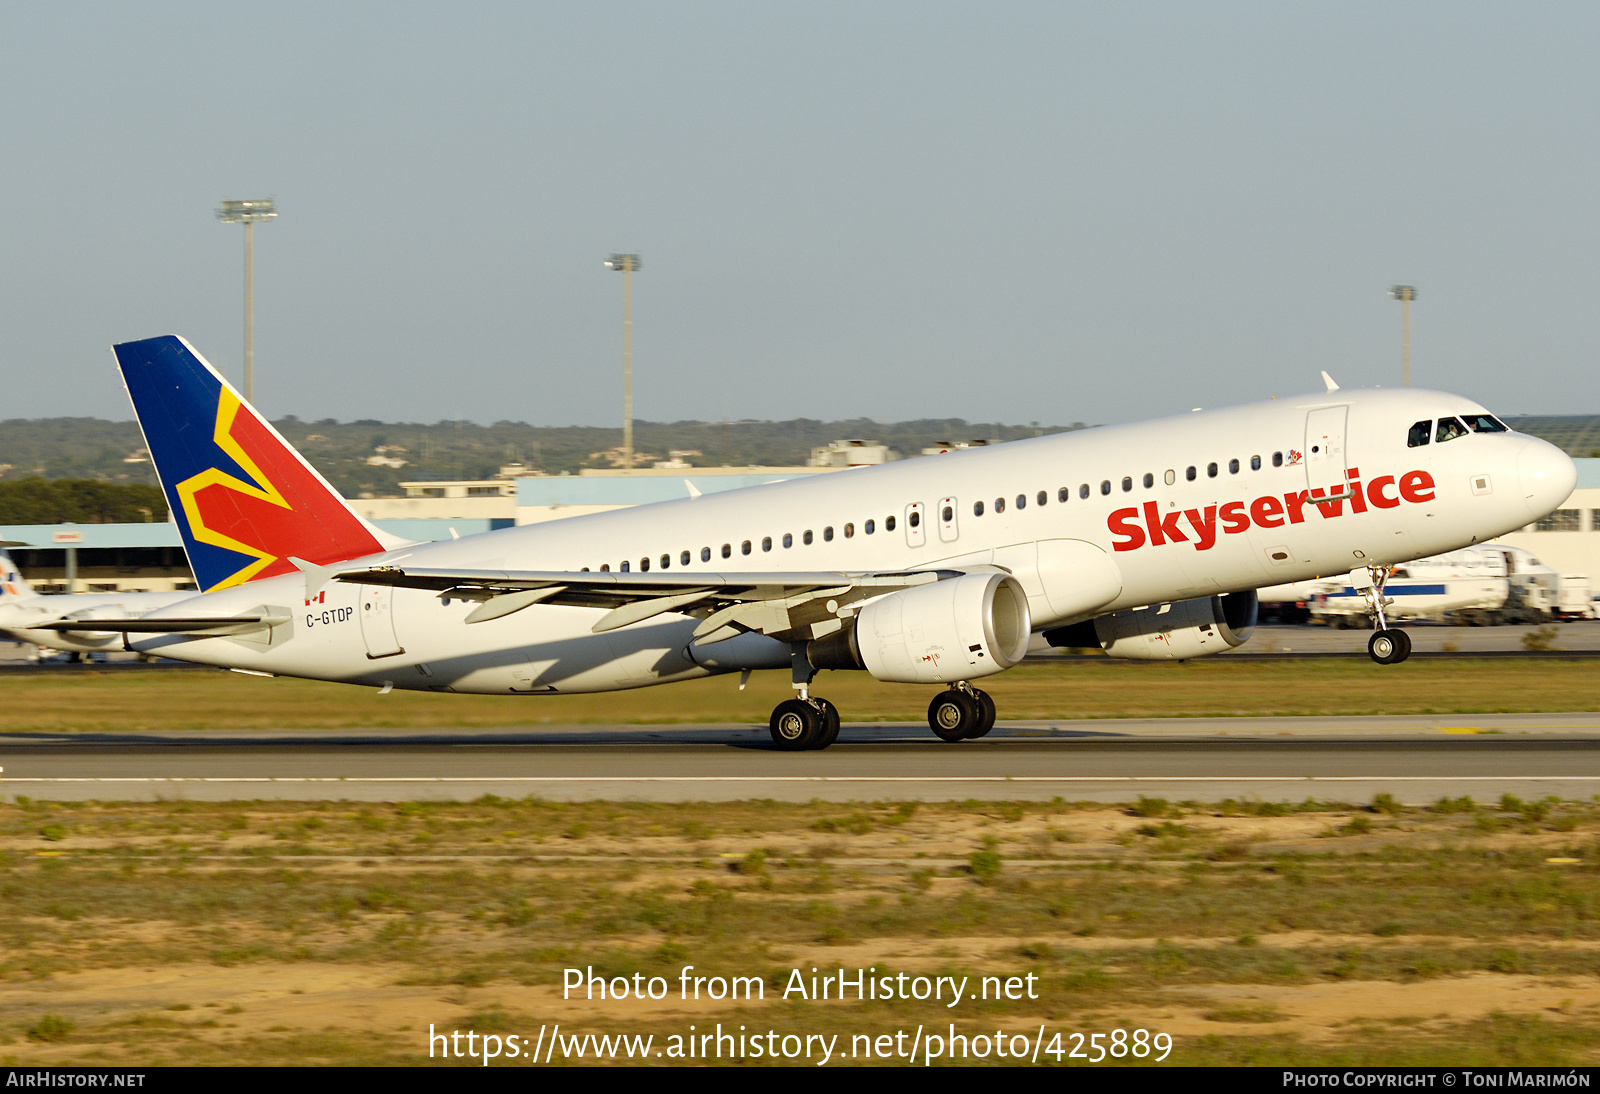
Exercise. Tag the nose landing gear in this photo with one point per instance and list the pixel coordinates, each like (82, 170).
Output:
(1387, 646)
(961, 714)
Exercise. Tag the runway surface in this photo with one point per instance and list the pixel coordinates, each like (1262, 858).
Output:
(1418, 759)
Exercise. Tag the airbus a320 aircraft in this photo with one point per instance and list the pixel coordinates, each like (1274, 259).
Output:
(1147, 540)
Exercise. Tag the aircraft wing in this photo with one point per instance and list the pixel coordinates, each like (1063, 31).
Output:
(791, 606)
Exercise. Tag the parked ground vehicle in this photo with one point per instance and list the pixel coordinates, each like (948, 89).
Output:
(1479, 586)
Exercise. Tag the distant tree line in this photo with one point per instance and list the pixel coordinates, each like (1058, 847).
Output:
(79, 501)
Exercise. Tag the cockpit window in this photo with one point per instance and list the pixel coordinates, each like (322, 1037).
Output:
(1485, 423)
(1419, 434)
(1449, 429)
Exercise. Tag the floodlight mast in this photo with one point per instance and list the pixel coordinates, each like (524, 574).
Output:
(1405, 294)
(627, 264)
(247, 213)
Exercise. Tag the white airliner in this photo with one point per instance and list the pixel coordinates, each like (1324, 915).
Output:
(72, 616)
(1147, 540)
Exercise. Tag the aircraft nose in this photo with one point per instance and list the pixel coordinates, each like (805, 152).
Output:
(1546, 475)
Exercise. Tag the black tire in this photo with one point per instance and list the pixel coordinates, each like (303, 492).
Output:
(1404, 649)
(952, 715)
(794, 725)
(986, 715)
(830, 725)
(1383, 646)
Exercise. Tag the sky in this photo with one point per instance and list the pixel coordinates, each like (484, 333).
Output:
(1054, 212)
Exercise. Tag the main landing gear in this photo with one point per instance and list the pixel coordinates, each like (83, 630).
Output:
(808, 722)
(961, 714)
(1387, 646)
(799, 725)
(805, 722)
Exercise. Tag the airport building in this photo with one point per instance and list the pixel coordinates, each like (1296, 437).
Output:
(123, 557)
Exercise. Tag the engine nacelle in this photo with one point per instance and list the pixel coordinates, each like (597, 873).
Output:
(1178, 631)
(957, 629)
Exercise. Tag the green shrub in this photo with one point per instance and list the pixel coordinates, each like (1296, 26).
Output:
(984, 865)
(51, 1027)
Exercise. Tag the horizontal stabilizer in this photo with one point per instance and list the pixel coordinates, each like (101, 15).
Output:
(195, 625)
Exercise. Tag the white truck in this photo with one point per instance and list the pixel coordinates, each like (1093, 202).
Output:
(1479, 586)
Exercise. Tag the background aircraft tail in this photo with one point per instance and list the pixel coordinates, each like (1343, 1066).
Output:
(244, 500)
(13, 586)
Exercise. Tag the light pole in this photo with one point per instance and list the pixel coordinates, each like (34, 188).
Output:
(1405, 294)
(247, 213)
(627, 264)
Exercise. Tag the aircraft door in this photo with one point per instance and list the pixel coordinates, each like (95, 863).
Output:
(377, 621)
(916, 529)
(948, 532)
(1326, 459)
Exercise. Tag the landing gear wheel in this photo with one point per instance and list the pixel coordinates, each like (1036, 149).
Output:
(986, 715)
(1404, 639)
(1389, 647)
(953, 715)
(830, 725)
(795, 725)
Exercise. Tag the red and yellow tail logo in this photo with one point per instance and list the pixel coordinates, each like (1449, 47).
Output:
(280, 508)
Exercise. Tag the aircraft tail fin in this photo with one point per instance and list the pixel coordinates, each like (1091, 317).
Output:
(13, 586)
(244, 500)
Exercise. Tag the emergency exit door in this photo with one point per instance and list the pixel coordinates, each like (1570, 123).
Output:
(377, 621)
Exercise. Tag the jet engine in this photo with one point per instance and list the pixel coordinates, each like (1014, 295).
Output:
(1167, 632)
(956, 629)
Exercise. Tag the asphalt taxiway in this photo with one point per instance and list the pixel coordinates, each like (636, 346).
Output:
(1418, 759)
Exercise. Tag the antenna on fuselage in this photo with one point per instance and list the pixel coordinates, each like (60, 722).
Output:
(1328, 380)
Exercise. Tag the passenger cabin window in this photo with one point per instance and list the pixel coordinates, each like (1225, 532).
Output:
(705, 554)
(1022, 501)
(788, 540)
(605, 567)
(870, 527)
(1042, 498)
(1171, 476)
(888, 524)
(915, 519)
(1189, 474)
(1105, 486)
(999, 505)
(644, 565)
(1063, 494)
(744, 548)
(977, 508)
(727, 550)
(827, 534)
(1127, 483)
(1211, 470)
(766, 543)
(948, 514)
(1255, 463)
(1233, 467)
(1149, 480)
(806, 539)
(1449, 429)
(1083, 491)
(683, 559)
(624, 567)
(1485, 423)
(1277, 459)
(1419, 434)
(666, 561)
(849, 530)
